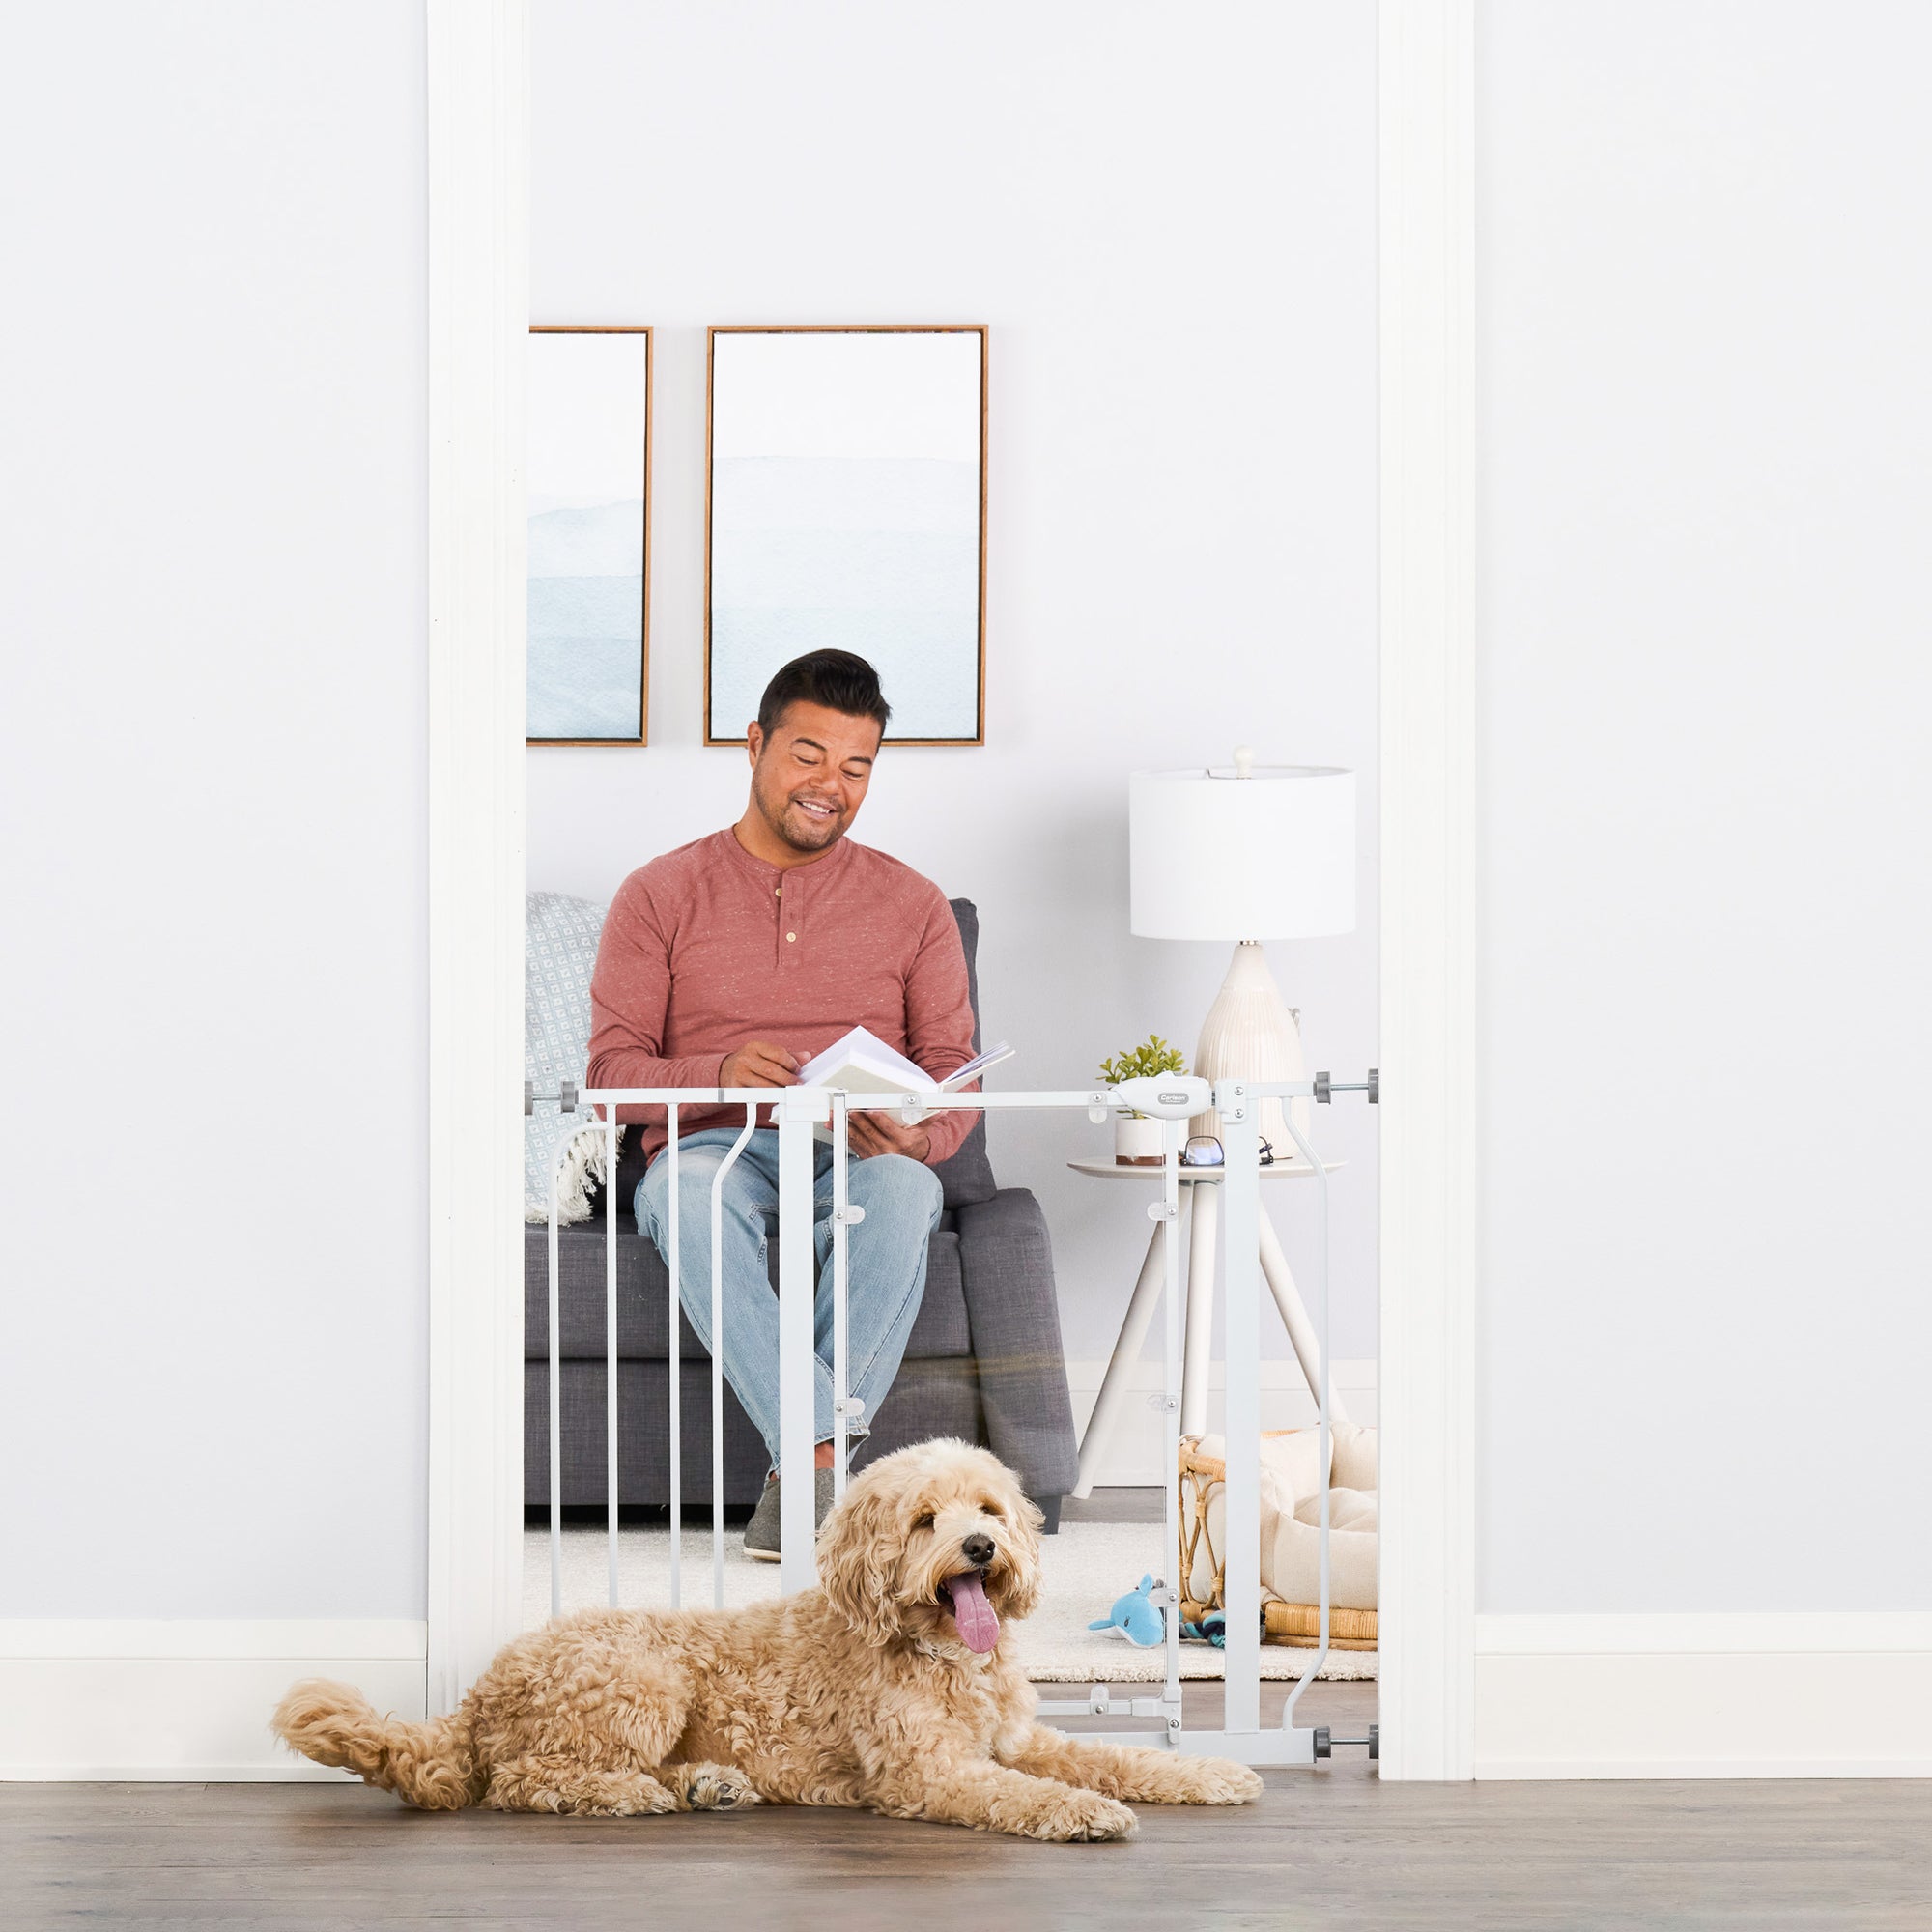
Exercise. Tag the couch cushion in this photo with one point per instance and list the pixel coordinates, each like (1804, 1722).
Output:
(560, 938)
(643, 1293)
(968, 1177)
(930, 1398)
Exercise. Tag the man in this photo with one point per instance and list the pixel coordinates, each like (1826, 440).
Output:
(732, 960)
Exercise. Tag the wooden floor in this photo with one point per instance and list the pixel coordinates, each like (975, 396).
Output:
(1329, 1847)
(1324, 1848)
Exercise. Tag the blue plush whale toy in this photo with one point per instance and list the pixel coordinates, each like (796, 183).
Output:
(1135, 1617)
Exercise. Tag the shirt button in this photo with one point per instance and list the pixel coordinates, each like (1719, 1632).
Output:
(791, 935)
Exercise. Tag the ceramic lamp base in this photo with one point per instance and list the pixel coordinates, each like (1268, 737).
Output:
(1251, 1031)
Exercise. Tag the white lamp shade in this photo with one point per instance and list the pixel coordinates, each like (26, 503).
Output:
(1220, 855)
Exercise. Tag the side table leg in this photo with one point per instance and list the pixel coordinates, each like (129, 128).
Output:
(1120, 1366)
(1295, 1319)
(1203, 1223)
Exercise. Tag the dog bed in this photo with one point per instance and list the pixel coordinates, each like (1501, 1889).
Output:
(1291, 1499)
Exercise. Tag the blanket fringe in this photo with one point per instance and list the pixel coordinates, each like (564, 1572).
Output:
(580, 1164)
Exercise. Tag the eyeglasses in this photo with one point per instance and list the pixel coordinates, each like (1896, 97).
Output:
(1205, 1150)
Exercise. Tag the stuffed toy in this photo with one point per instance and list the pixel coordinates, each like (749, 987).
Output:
(1135, 1617)
(1211, 1628)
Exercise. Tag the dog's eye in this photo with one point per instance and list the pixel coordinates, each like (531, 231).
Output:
(923, 1520)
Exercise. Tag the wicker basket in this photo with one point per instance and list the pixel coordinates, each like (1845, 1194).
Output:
(1294, 1624)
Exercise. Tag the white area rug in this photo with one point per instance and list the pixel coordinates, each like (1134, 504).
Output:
(1088, 1565)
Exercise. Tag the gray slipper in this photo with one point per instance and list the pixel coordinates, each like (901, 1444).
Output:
(761, 1533)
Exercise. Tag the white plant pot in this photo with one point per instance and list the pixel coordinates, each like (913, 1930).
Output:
(1136, 1140)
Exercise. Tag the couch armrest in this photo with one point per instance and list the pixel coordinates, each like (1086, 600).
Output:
(1005, 1267)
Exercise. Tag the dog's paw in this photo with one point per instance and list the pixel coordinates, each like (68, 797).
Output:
(653, 1803)
(714, 1788)
(1081, 1817)
(1219, 1781)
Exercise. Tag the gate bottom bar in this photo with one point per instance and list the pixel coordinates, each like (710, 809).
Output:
(1108, 1706)
(1252, 1748)
(1261, 1749)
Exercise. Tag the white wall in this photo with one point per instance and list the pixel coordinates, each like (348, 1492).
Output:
(212, 1390)
(1170, 226)
(1704, 613)
(1704, 617)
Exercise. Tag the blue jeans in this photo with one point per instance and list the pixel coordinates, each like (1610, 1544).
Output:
(885, 1270)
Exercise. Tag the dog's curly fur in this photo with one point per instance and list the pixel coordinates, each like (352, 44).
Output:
(859, 1693)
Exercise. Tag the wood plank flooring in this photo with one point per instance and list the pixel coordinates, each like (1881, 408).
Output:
(1330, 1847)
(1325, 1848)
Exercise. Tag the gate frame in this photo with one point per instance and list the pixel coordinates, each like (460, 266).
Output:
(478, 321)
(798, 1115)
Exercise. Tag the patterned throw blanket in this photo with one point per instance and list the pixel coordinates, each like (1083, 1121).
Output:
(559, 948)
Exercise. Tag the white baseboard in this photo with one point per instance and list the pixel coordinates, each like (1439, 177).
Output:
(188, 1700)
(1776, 1694)
(1135, 1456)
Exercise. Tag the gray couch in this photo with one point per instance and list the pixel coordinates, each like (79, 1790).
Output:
(984, 1362)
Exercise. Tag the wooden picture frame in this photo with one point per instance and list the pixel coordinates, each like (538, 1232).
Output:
(610, 608)
(953, 699)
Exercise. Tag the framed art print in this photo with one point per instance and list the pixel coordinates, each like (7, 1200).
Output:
(587, 493)
(846, 507)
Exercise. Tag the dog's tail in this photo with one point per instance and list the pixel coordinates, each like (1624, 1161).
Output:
(429, 1765)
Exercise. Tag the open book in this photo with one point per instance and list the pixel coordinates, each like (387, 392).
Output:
(862, 1062)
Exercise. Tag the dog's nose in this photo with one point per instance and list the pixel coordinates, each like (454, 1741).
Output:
(978, 1549)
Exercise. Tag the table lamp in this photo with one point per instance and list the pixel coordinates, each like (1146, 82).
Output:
(1245, 853)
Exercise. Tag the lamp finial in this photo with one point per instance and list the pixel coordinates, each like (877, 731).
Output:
(1244, 761)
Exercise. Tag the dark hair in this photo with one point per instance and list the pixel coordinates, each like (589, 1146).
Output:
(835, 679)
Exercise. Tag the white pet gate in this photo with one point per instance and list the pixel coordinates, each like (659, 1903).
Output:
(1171, 1098)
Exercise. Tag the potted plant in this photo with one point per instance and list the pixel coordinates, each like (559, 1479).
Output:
(1137, 1136)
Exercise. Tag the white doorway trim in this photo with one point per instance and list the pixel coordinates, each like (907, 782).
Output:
(1428, 1027)
(478, 314)
(478, 333)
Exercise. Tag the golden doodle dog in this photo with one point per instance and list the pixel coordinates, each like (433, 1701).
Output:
(887, 1689)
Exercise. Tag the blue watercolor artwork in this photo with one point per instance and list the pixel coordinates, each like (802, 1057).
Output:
(584, 478)
(846, 509)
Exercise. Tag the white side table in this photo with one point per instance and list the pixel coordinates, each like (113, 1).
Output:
(1200, 1186)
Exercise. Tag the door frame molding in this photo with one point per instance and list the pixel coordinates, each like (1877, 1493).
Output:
(1428, 1026)
(478, 306)
(479, 142)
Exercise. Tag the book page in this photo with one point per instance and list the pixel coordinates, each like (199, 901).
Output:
(863, 1047)
(977, 1065)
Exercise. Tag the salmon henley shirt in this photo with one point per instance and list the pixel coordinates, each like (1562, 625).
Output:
(708, 948)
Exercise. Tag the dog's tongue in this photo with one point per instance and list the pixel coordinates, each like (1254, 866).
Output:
(979, 1623)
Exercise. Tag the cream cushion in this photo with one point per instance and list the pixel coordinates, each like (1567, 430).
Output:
(1291, 1518)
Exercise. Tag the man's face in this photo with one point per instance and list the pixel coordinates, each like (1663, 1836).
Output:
(808, 777)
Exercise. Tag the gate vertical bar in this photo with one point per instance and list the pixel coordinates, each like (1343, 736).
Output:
(841, 1368)
(718, 1354)
(675, 1346)
(1170, 1201)
(1325, 1427)
(1241, 1251)
(798, 1568)
(556, 1413)
(611, 1336)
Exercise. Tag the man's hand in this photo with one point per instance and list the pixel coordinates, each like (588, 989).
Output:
(759, 1063)
(886, 1134)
